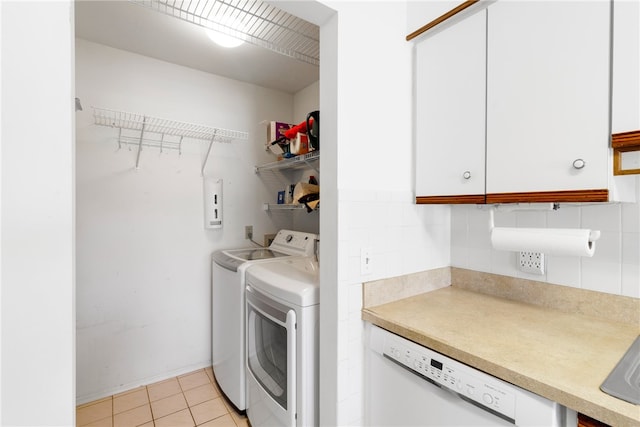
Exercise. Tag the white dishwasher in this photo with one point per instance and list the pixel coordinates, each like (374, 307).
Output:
(411, 385)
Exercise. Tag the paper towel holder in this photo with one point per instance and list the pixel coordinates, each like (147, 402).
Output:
(520, 207)
(533, 243)
(593, 236)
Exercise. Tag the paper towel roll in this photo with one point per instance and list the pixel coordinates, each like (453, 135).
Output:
(552, 241)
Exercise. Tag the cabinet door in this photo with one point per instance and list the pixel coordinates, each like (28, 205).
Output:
(450, 112)
(626, 67)
(547, 96)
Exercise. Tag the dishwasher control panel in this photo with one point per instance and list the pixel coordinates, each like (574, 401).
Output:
(473, 385)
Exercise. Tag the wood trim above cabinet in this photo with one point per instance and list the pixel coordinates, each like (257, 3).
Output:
(576, 196)
(441, 18)
(625, 139)
(451, 200)
(624, 142)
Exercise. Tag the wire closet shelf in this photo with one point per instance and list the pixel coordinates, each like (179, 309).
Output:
(297, 162)
(146, 131)
(253, 21)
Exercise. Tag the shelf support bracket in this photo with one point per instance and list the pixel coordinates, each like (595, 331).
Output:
(119, 138)
(206, 158)
(311, 166)
(144, 122)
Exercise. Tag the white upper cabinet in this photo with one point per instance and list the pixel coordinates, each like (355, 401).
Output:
(450, 111)
(548, 96)
(626, 67)
(517, 102)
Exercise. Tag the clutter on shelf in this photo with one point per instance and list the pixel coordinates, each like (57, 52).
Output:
(301, 194)
(307, 194)
(287, 140)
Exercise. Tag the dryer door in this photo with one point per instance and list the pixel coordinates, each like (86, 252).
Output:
(271, 360)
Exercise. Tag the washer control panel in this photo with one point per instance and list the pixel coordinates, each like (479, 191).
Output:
(486, 391)
(294, 242)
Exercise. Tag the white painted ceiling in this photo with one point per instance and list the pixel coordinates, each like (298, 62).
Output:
(128, 26)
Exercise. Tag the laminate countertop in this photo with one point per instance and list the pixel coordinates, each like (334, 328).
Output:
(559, 355)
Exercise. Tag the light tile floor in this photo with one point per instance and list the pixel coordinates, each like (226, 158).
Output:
(193, 399)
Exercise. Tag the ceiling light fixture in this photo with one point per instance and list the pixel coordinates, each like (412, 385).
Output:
(223, 39)
(262, 24)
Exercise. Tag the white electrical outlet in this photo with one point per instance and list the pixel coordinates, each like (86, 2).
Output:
(531, 262)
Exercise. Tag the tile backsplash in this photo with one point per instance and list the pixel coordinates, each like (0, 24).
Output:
(614, 268)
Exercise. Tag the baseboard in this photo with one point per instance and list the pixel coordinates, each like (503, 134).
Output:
(86, 398)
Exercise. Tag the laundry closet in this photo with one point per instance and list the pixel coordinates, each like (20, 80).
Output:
(143, 294)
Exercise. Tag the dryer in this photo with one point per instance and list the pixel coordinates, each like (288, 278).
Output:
(228, 268)
(282, 343)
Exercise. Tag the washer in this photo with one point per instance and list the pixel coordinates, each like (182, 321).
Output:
(227, 293)
(282, 343)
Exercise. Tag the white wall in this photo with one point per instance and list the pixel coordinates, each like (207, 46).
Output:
(1, 175)
(305, 101)
(372, 156)
(37, 246)
(143, 262)
(328, 357)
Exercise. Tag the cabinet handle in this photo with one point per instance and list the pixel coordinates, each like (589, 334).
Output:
(466, 175)
(579, 163)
